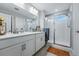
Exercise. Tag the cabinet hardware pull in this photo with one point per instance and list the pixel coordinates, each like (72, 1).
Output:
(23, 47)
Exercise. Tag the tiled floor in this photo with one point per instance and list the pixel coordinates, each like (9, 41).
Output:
(43, 52)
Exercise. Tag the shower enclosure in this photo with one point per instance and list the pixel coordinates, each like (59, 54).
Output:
(60, 30)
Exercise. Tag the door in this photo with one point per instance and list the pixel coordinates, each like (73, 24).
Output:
(32, 47)
(75, 31)
(38, 43)
(42, 39)
(11, 51)
(62, 30)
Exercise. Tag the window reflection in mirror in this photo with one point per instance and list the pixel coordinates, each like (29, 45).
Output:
(18, 24)
(31, 23)
(23, 24)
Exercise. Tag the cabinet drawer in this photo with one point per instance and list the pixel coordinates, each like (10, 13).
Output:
(28, 37)
(11, 51)
(40, 35)
(10, 41)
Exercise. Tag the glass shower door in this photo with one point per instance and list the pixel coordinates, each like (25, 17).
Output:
(62, 30)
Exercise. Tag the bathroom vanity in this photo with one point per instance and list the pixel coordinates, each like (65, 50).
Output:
(21, 44)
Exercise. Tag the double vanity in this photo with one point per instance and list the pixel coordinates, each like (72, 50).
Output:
(21, 44)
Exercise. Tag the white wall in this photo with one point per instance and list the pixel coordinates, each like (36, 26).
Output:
(49, 23)
(38, 20)
(7, 20)
(75, 27)
(42, 19)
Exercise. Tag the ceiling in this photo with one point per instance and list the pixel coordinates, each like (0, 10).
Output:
(16, 9)
(51, 7)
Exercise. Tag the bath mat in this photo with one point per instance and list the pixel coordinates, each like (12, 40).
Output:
(58, 52)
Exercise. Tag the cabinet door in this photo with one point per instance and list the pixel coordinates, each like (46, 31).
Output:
(38, 43)
(30, 48)
(42, 41)
(11, 51)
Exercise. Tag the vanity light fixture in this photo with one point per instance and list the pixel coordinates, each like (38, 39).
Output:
(33, 10)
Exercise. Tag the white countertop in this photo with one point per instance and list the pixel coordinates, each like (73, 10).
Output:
(10, 35)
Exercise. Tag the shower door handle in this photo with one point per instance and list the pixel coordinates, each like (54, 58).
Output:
(68, 24)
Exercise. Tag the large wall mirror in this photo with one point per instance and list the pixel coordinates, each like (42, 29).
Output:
(19, 24)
